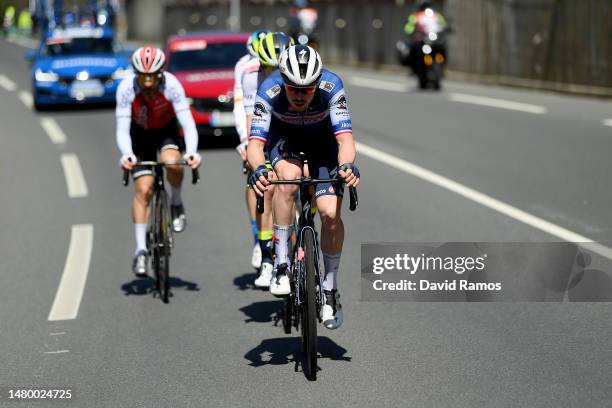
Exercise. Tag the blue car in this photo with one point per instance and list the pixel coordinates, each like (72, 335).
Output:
(77, 65)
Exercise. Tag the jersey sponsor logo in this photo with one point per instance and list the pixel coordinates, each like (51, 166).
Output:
(259, 109)
(340, 103)
(327, 86)
(272, 92)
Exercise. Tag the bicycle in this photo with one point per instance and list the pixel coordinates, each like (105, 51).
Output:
(303, 305)
(159, 235)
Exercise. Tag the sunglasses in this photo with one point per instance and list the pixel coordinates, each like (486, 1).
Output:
(148, 77)
(296, 90)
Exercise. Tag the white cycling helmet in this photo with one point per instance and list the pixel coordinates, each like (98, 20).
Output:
(148, 60)
(300, 66)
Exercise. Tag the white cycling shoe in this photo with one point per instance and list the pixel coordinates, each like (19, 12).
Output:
(331, 312)
(280, 282)
(265, 276)
(256, 257)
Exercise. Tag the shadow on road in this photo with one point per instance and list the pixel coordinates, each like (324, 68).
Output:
(141, 287)
(286, 350)
(246, 281)
(264, 312)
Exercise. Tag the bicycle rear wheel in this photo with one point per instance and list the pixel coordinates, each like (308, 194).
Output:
(309, 306)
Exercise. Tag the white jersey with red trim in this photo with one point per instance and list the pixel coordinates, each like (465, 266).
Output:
(169, 102)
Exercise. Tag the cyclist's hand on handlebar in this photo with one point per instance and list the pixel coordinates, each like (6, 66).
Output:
(193, 160)
(260, 179)
(127, 161)
(350, 174)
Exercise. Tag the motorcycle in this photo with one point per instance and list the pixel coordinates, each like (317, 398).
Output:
(425, 54)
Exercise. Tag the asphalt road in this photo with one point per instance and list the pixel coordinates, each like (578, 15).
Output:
(219, 343)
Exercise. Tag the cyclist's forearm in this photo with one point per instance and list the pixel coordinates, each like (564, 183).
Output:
(124, 140)
(255, 153)
(346, 149)
(240, 115)
(185, 118)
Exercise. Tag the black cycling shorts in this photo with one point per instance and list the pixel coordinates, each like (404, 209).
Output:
(320, 148)
(146, 143)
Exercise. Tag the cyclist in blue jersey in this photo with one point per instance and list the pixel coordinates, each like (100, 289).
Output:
(303, 108)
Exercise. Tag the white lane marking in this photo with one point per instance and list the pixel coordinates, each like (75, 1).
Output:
(607, 122)
(26, 99)
(497, 103)
(7, 84)
(22, 41)
(70, 291)
(57, 334)
(54, 131)
(378, 84)
(484, 200)
(74, 176)
(57, 352)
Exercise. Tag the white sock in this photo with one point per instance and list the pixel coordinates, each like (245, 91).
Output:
(282, 235)
(140, 231)
(331, 262)
(176, 196)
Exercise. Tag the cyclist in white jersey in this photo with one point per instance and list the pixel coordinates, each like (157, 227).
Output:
(150, 107)
(240, 117)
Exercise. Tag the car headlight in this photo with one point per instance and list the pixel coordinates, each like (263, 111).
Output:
(45, 76)
(121, 73)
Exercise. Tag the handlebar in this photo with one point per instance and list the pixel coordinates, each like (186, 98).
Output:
(307, 181)
(195, 174)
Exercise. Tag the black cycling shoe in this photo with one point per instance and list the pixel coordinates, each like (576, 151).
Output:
(139, 266)
(179, 222)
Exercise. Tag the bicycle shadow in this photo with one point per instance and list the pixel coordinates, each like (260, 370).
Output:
(286, 350)
(264, 312)
(146, 286)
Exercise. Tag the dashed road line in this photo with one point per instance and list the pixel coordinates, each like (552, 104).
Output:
(72, 285)
(7, 83)
(57, 352)
(497, 103)
(484, 200)
(75, 181)
(54, 131)
(607, 122)
(26, 98)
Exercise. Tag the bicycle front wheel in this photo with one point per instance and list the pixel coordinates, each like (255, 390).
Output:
(309, 306)
(163, 249)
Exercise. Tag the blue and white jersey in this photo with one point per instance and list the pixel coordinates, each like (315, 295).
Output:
(329, 107)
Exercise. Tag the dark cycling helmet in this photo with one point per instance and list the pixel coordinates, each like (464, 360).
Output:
(423, 5)
(271, 47)
(300, 66)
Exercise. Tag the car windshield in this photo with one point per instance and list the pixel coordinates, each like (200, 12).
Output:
(212, 57)
(78, 46)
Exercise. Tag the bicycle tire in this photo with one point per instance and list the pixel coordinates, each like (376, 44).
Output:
(287, 314)
(164, 248)
(309, 306)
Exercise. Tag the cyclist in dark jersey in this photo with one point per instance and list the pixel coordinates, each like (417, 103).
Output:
(303, 108)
